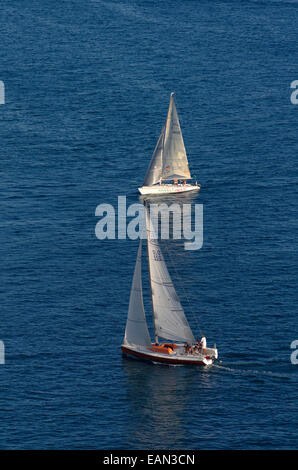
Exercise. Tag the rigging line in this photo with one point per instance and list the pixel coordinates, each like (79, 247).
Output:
(185, 294)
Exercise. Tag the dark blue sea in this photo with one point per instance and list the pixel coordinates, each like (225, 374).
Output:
(87, 87)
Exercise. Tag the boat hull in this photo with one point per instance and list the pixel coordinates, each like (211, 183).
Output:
(152, 356)
(168, 189)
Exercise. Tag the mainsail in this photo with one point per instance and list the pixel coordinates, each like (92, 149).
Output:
(169, 319)
(169, 160)
(174, 159)
(136, 331)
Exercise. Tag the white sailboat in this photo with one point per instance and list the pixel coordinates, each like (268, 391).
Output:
(170, 322)
(169, 163)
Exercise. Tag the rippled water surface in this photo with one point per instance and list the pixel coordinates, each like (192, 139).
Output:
(87, 87)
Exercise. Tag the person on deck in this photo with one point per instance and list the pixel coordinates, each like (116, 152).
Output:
(203, 344)
(187, 348)
(198, 346)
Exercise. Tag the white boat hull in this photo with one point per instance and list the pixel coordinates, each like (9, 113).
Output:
(177, 357)
(168, 189)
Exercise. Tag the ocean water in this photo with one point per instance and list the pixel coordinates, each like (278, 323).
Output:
(87, 86)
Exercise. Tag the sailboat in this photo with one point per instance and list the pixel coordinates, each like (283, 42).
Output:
(168, 170)
(170, 322)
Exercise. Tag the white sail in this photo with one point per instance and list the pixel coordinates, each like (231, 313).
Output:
(174, 159)
(169, 318)
(136, 331)
(169, 160)
(154, 170)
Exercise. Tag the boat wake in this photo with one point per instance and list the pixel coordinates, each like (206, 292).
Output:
(251, 372)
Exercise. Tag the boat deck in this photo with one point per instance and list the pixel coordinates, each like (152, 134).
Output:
(168, 188)
(165, 354)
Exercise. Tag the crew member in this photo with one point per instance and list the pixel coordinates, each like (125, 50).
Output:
(203, 344)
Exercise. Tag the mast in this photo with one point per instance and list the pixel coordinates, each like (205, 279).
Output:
(162, 150)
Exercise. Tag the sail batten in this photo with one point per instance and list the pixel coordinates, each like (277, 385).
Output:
(136, 331)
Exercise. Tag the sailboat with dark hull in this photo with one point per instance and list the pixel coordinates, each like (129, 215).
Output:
(168, 171)
(170, 322)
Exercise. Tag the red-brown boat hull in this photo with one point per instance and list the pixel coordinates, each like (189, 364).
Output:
(164, 360)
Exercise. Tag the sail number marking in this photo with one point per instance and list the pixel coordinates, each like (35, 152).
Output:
(157, 255)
